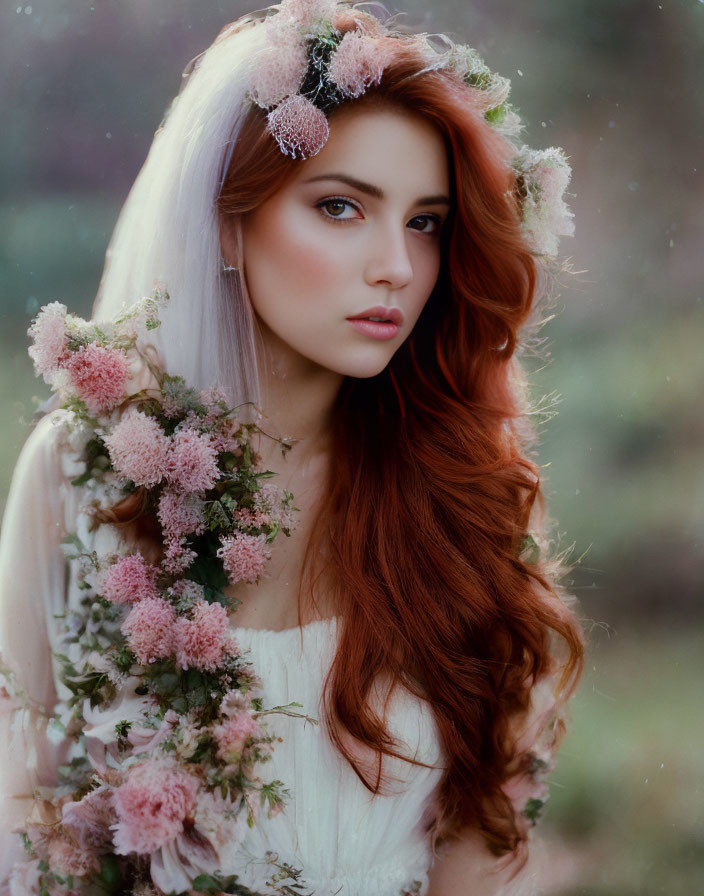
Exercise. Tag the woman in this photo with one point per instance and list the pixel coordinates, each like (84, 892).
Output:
(352, 240)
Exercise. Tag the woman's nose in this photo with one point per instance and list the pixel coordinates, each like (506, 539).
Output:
(389, 261)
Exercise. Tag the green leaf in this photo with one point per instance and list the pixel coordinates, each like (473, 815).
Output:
(533, 809)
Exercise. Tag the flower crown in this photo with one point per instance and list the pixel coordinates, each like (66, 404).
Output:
(321, 53)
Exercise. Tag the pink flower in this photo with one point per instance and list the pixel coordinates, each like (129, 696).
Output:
(279, 73)
(252, 518)
(152, 805)
(233, 734)
(99, 376)
(243, 556)
(89, 820)
(178, 557)
(358, 62)
(303, 13)
(299, 127)
(128, 580)
(233, 702)
(48, 331)
(185, 589)
(137, 447)
(200, 640)
(149, 628)
(192, 463)
(67, 858)
(180, 515)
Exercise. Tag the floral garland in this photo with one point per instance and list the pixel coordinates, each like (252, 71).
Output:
(166, 727)
(310, 65)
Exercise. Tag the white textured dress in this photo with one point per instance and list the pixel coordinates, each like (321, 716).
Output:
(346, 839)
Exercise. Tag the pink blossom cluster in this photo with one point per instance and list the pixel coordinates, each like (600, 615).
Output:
(546, 216)
(358, 62)
(141, 451)
(128, 580)
(200, 640)
(178, 556)
(99, 376)
(89, 820)
(243, 556)
(233, 734)
(65, 857)
(48, 333)
(94, 373)
(268, 500)
(253, 519)
(155, 631)
(192, 461)
(152, 806)
(149, 629)
(301, 15)
(279, 73)
(180, 515)
(138, 448)
(298, 126)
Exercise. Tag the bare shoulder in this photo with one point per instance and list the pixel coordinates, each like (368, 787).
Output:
(465, 867)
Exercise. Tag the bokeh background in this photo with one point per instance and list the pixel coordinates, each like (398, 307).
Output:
(619, 84)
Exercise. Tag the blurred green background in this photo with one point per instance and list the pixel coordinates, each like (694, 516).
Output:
(618, 84)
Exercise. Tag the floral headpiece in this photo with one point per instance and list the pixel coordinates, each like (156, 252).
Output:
(321, 53)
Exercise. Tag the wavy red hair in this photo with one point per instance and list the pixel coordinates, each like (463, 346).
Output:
(432, 492)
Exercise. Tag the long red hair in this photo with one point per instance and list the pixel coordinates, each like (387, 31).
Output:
(431, 493)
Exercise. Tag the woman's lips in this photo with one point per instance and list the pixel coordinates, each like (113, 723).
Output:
(375, 329)
(385, 328)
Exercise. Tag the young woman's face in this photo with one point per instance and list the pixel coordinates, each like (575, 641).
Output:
(355, 233)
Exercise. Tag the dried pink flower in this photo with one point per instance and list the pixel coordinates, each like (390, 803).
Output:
(152, 805)
(68, 858)
(200, 640)
(177, 557)
(99, 376)
(299, 127)
(233, 734)
(149, 628)
(233, 702)
(279, 72)
(303, 14)
(180, 514)
(358, 62)
(254, 519)
(138, 448)
(243, 556)
(192, 462)
(89, 820)
(128, 580)
(48, 331)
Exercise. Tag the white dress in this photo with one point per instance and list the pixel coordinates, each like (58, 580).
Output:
(346, 840)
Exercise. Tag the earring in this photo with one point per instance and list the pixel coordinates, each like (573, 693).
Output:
(227, 267)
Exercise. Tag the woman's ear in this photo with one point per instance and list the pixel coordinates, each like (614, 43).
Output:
(230, 227)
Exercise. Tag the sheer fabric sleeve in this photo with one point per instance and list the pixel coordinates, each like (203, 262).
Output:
(32, 597)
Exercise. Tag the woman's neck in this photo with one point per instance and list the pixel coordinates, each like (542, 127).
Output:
(297, 398)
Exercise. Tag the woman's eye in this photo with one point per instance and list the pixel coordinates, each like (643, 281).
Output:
(434, 222)
(334, 207)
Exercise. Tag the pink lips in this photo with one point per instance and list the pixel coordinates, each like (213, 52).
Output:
(393, 315)
(386, 328)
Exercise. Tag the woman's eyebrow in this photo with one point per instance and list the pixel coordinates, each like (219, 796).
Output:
(376, 192)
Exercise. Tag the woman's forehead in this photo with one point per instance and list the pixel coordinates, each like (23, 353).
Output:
(390, 149)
